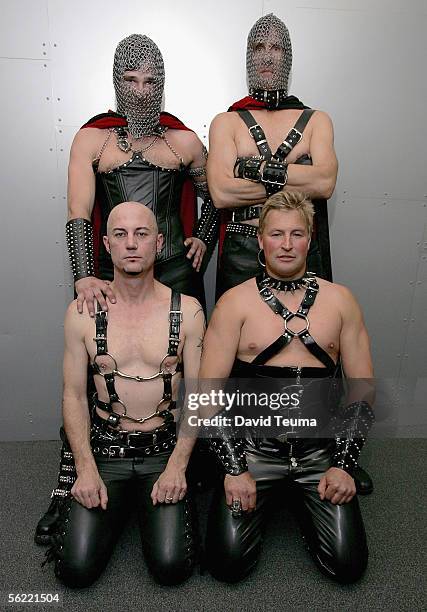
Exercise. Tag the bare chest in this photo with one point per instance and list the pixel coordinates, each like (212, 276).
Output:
(137, 346)
(165, 151)
(262, 327)
(276, 126)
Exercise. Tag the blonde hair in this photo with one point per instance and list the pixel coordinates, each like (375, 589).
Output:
(289, 200)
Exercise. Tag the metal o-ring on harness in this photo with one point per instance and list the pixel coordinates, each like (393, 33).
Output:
(291, 316)
(175, 318)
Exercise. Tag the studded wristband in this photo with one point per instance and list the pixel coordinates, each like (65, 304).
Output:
(274, 176)
(352, 426)
(80, 247)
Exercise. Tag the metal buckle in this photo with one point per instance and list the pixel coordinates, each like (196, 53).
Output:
(112, 451)
(291, 135)
(137, 435)
(173, 313)
(254, 127)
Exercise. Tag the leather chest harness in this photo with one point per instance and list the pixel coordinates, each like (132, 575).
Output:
(288, 335)
(293, 137)
(101, 320)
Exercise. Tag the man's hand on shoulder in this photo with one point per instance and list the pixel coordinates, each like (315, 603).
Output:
(90, 289)
(89, 489)
(336, 486)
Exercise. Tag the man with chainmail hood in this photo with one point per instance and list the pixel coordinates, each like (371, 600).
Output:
(137, 154)
(267, 142)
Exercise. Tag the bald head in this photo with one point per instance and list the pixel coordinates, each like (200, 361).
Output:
(132, 239)
(132, 213)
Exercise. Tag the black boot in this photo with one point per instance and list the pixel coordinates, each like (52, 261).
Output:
(47, 524)
(363, 481)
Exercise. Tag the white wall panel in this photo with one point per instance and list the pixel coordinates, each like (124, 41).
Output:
(361, 61)
(31, 364)
(365, 67)
(24, 29)
(31, 250)
(415, 352)
(375, 247)
(202, 45)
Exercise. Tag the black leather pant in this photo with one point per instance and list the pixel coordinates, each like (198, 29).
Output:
(86, 539)
(239, 261)
(334, 533)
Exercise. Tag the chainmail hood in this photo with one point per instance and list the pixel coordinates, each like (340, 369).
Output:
(141, 108)
(269, 51)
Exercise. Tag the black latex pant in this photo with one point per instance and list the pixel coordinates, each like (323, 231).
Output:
(87, 537)
(239, 261)
(334, 533)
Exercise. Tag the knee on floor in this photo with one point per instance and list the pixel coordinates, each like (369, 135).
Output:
(346, 569)
(231, 567)
(76, 575)
(170, 570)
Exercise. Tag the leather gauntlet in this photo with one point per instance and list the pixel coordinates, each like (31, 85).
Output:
(231, 453)
(80, 247)
(229, 448)
(208, 224)
(351, 429)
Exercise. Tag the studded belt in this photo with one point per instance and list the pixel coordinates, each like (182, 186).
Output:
(241, 228)
(108, 442)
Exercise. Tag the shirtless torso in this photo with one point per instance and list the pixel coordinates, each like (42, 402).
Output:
(137, 344)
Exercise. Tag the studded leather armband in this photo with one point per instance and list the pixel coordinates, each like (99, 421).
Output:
(274, 176)
(229, 448)
(352, 426)
(248, 169)
(231, 453)
(198, 176)
(208, 224)
(80, 247)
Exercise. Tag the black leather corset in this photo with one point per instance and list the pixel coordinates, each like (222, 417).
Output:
(158, 188)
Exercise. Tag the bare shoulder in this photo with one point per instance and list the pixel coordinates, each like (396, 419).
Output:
(238, 299)
(321, 119)
(338, 294)
(74, 321)
(189, 144)
(222, 120)
(187, 137)
(190, 306)
(89, 140)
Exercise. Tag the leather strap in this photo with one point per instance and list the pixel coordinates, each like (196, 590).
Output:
(278, 308)
(247, 213)
(175, 319)
(292, 138)
(101, 320)
(257, 133)
(294, 135)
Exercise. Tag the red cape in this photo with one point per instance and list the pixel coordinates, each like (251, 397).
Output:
(188, 205)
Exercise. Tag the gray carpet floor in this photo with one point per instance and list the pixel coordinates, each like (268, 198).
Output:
(285, 579)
